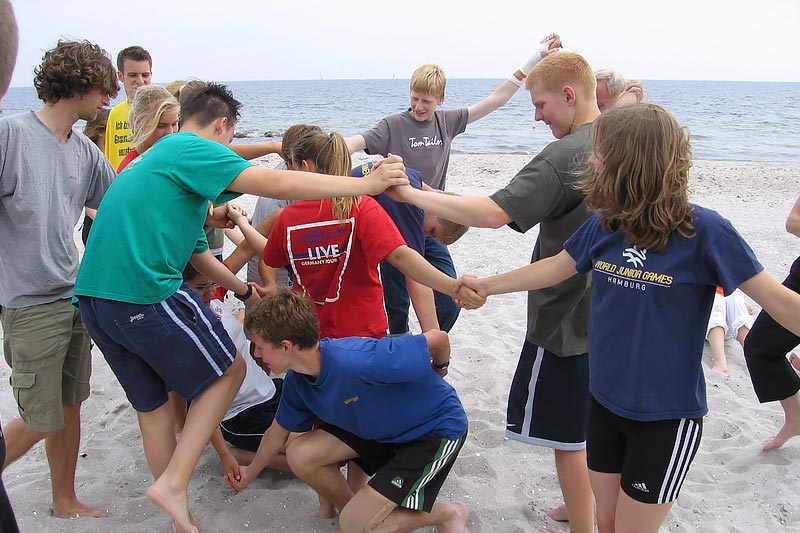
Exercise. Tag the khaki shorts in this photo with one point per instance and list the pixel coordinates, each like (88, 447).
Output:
(48, 351)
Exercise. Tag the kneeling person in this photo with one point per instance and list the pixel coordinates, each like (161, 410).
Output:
(361, 388)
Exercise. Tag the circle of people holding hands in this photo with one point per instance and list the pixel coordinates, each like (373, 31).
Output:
(335, 257)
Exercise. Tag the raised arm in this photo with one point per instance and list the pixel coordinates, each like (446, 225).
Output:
(475, 211)
(781, 303)
(508, 88)
(254, 150)
(355, 143)
(292, 185)
(543, 273)
(413, 265)
(253, 244)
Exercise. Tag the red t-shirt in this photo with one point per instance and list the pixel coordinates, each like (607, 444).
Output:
(336, 263)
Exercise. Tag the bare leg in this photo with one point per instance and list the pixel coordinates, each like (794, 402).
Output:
(719, 361)
(170, 490)
(638, 517)
(314, 457)
(573, 476)
(158, 437)
(19, 439)
(371, 507)
(62, 456)
(791, 424)
(606, 492)
(179, 408)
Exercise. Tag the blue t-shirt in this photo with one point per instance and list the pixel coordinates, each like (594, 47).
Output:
(649, 313)
(407, 217)
(379, 389)
(151, 219)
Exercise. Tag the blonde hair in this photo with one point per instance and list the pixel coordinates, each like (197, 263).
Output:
(429, 79)
(563, 68)
(640, 183)
(149, 103)
(330, 155)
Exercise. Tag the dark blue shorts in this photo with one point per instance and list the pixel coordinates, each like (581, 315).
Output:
(246, 429)
(177, 344)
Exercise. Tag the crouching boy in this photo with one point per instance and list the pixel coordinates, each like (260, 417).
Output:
(384, 405)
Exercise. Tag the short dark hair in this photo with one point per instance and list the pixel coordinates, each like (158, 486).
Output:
(207, 103)
(133, 53)
(74, 68)
(286, 315)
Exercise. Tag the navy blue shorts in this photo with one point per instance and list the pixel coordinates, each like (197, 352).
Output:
(549, 400)
(177, 344)
(246, 429)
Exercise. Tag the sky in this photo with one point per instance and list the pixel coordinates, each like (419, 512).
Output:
(308, 39)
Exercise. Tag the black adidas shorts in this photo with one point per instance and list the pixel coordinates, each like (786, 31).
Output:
(652, 457)
(410, 473)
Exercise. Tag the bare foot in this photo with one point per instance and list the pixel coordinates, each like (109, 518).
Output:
(559, 514)
(76, 509)
(721, 368)
(175, 503)
(794, 359)
(326, 509)
(787, 432)
(456, 518)
(176, 529)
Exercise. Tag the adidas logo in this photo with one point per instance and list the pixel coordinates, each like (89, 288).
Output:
(641, 487)
(398, 482)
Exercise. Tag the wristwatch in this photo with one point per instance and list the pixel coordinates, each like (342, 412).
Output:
(442, 366)
(246, 295)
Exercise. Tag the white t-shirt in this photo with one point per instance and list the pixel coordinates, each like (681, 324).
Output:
(257, 386)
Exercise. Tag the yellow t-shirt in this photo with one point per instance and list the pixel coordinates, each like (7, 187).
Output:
(118, 134)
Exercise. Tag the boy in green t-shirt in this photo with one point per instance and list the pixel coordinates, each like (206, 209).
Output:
(130, 288)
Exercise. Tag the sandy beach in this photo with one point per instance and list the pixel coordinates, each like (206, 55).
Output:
(732, 486)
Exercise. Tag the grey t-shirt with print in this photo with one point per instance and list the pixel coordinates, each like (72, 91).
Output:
(44, 185)
(543, 193)
(424, 146)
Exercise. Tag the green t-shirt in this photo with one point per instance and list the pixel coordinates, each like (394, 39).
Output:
(151, 219)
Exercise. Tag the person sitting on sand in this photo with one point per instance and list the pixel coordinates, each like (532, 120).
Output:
(765, 353)
(730, 319)
(130, 286)
(253, 408)
(361, 388)
(653, 286)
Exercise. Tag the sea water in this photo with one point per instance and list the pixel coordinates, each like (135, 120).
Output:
(729, 121)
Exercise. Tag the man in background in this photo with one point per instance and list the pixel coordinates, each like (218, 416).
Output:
(614, 89)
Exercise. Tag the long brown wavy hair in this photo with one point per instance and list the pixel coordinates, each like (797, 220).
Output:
(640, 183)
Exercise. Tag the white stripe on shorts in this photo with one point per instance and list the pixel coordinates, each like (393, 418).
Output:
(537, 367)
(191, 335)
(686, 442)
(412, 501)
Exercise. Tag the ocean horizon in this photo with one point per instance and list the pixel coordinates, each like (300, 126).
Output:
(727, 120)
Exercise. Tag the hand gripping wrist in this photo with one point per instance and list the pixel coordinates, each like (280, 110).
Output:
(527, 67)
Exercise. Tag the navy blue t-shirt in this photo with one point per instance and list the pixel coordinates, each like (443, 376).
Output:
(379, 389)
(650, 310)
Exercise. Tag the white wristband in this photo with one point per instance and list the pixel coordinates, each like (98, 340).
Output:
(513, 79)
(527, 67)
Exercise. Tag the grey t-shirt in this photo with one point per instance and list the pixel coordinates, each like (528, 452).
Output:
(264, 208)
(424, 146)
(44, 185)
(543, 193)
